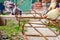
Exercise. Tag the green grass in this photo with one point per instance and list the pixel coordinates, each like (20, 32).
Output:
(10, 28)
(53, 27)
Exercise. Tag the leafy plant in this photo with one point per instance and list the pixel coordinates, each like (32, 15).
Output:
(54, 27)
(12, 28)
(3, 14)
(50, 25)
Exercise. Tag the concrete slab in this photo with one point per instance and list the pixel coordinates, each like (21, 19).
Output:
(36, 38)
(31, 31)
(46, 32)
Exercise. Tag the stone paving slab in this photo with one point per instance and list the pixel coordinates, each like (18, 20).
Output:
(34, 19)
(53, 38)
(41, 38)
(31, 31)
(36, 38)
(27, 25)
(46, 32)
(35, 25)
(35, 22)
(58, 37)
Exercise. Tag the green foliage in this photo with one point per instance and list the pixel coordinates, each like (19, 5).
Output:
(23, 22)
(54, 28)
(10, 28)
(4, 14)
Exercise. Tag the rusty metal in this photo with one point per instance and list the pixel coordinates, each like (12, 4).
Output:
(18, 18)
